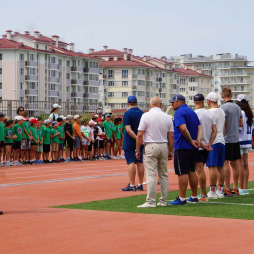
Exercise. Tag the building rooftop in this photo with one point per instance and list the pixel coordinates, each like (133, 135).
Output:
(189, 72)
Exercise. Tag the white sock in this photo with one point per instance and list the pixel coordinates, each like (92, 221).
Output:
(139, 184)
(193, 197)
(132, 185)
(182, 199)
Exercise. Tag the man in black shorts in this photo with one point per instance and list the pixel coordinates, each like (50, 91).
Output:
(69, 137)
(99, 135)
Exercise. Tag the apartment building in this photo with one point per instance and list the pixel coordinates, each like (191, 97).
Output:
(227, 70)
(34, 67)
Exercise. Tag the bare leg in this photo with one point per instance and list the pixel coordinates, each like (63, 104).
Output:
(227, 175)
(201, 177)
(132, 173)
(241, 173)
(140, 169)
(246, 170)
(221, 175)
(213, 175)
(183, 184)
(235, 169)
(193, 179)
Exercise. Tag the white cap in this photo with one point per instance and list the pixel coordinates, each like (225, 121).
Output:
(212, 97)
(92, 122)
(19, 118)
(47, 121)
(108, 110)
(241, 97)
(76, 117)
(96, 116)
(69, 117)
(56, 106)
(64, 118)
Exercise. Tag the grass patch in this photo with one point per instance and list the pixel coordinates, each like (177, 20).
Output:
(208, 209)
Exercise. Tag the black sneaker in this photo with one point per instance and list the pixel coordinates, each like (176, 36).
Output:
(139, 187)
(129, 188)
(23, 163)
(28, 162)
(1, 212)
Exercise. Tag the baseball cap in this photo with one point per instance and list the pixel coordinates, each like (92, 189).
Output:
(177, 97)
(199, 97)
(76, 117)
(59, 119)
(95, 116)
(47, 121)
(34, 121)
(69, 117)
(56, 106)
(100, 120)
(241, 97)
(212, 97)
(19, 118)
(107, 115)
(85, 120)
(132, 99)
(2, 114)
(92, 122)
(54, 123)
(99, 111)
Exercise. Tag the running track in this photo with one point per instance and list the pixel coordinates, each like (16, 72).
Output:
(29, 226)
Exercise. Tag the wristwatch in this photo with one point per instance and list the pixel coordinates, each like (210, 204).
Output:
(137, 151)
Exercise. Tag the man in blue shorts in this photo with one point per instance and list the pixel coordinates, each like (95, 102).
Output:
(187, 134)
(131, 121)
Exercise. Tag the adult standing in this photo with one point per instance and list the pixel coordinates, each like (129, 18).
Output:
(187, 135)
(156, 128)
(54, 112)
(234, 120)
(68, 130)
(245, 136)
(209, 132)
(131, 119)
(20, 111)
(216, 157)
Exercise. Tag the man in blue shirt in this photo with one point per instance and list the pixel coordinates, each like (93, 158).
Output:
(187, 134)
(131, 120)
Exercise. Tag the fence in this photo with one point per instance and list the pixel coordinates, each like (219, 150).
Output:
(43, 108)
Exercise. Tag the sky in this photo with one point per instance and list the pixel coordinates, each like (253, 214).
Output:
(155, 28)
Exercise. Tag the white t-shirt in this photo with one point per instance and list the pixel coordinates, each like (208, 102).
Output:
(90, 130)
(245, 133)
(82, 129)
(156, 125)
(52, 116)
(207, 120)
(220, 117)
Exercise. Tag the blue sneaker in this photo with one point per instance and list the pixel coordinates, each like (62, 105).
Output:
(178, 201)
(69, 160)
(108, 157)
(38, 162)
(139, 187)
(129, 188)
(192, 200)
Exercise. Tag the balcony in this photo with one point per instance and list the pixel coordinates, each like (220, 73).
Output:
(31, 78)
(31, 64)
(92, 70)
(104, 76)
(91, 95)
(86, 83)
(31, 92)
(53, 66)
(77, 69)
(53, 79)
(74, 81)
(134, 87)
(159, 79)
(77, 94)
(134, 75)
(160, 90)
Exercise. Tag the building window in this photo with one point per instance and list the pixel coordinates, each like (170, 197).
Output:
(111, 94)
(141, 82)
(31, 57)
(1, 71)
(67, 75)
(1, 86)
(143, 72)
(163, 75)
(139, 71)
(32, 71)
(79, 63)
(60, 61)
(32, 85)
(182, 81)
(111, 83)
(242, 88)
(124, 83)
(192, 79)
(124, 94)
(182, 89)
(52, 87)
(21, 57)
(67, 89)
(151, 83)
(60, 75)
(79, 76)
(111, 73)
(53, 59)
(74, 63)
(125, 74)
(93, 77)
(1, 56)
(21, 86)
(46, 48)
(163, 95)
(192, 88)
(37, 46)
(53, 73)
(151, 73)
(67, 63)
(157, 85)
(141, 93)
(163, 85)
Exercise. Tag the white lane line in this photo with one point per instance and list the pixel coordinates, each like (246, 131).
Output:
(62, 180)
(223, 203)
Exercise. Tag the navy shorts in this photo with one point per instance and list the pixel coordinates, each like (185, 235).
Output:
(130, 157)
(216, 157)
(61, 146)
(184, 161)
(202, 156)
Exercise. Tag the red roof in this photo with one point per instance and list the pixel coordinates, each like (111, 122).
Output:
(160, 60)
(121, 63)
(189, 72)
(108, 52)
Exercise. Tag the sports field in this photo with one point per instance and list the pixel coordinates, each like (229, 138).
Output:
(31, 225)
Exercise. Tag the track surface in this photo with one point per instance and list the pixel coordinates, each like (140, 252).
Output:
(30, 226)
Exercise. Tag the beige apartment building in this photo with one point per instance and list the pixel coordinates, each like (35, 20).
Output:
(226, 69)
(122, 74)
(34, 67)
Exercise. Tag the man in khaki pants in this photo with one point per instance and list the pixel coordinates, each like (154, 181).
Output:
(156, 128)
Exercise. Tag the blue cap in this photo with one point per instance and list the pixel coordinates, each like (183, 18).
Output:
(107, 115)
(199, 97)
(132, 99)
(177, 97)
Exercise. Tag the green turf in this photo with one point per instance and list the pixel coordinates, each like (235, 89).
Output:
(208, 209)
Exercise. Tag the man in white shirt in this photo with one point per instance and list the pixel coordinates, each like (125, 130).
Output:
(156, 129)
(216, 158)
(209, 133)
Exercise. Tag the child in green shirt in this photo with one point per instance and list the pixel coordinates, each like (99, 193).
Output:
(117, 137)
(9, 137)
(61, 138)
(17, 130)
(108, 126)
(39, 148)
(54, 135)
(2, 117)
(25, 140)
(46, 141)
(34, 139)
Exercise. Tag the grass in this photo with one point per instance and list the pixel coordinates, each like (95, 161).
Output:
(208, 209)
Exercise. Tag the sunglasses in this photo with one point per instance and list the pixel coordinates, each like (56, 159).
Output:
(21, 110)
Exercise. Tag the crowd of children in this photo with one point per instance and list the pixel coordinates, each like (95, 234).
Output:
(71, 138)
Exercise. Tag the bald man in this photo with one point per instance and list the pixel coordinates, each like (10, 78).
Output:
(156, 130)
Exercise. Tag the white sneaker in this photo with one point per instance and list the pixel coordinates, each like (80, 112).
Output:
(144, 183)
(210, 195)
(147, 205)
(220, 194)
(121, 156)
(8, 163)
(113, 157)
(162, 204)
